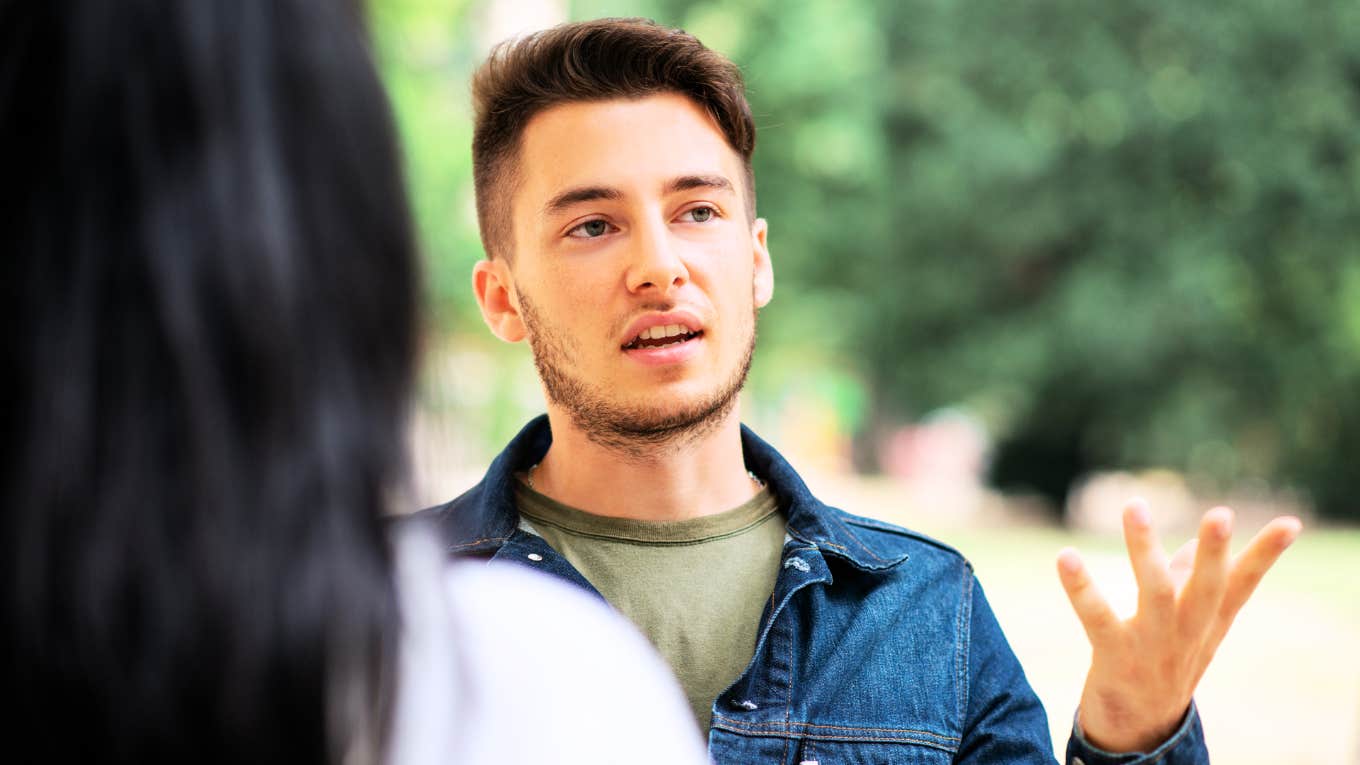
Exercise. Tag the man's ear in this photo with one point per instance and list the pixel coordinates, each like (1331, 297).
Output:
(492, 285)
(763, 287)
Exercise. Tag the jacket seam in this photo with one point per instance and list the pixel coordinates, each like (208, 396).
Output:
(869, 523)
(811, 540)
(475, 542)
(902, 531)
(856, 539)
(736, 727)
(788, 696)
(961, 643)
(870, 729)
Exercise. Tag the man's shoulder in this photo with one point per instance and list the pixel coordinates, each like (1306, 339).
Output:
(481, 519)
(463, 524)
(873, 540)
(891, 533)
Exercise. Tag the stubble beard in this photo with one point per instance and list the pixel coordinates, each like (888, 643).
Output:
(635, 431)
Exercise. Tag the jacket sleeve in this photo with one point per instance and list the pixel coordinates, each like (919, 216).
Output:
(1185, 747)
(1005, 721)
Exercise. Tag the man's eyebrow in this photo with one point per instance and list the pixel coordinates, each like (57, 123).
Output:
(687, 182)
(580, 194)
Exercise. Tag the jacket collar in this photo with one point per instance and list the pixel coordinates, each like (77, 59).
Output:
(488, 516)
(811, 521)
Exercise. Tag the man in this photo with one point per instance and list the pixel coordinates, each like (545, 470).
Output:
(617, 207)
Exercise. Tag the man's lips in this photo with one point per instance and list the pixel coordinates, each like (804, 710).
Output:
(661, 330)
(661, 337)
(665, 352)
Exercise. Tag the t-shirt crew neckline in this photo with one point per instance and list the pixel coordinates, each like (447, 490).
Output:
(540, 508)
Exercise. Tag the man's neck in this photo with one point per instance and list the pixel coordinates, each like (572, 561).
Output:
(687, 478)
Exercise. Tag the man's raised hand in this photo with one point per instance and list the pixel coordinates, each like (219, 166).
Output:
(1144, 669)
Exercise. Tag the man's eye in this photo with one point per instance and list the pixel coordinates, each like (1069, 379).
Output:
(590, 229)
(701, 214)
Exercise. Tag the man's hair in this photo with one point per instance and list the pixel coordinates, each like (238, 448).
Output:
(591, 61)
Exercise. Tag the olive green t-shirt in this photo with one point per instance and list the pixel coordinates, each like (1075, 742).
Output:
(696, 588)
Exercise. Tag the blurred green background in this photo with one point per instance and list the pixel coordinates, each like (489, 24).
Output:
(1018, 247)
(1113, 234)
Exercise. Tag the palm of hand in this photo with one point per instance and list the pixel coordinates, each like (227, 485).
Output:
(1144, 669)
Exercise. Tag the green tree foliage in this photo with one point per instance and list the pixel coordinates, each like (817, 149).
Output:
(427, 53)
(1123, 233)
(1126, 233)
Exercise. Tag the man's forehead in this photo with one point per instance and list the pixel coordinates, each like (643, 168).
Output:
(642, 144)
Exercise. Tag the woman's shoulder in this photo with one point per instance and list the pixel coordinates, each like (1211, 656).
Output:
(508, 596)
(571, 669)
(540, 670)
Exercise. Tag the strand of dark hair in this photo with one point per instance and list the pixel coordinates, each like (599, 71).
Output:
(210, 293)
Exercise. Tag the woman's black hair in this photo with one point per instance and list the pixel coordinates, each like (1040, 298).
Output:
(209, 301)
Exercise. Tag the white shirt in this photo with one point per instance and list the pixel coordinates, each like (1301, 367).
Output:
(501, 665)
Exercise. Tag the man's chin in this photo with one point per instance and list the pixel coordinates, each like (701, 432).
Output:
(632, 426)
(636, 418)
(675, 416)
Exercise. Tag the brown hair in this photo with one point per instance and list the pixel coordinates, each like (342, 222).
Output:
(591, 61)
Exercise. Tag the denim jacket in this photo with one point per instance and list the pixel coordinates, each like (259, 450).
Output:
(877, 645)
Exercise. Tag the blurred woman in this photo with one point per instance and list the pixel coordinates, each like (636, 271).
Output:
(211, 307)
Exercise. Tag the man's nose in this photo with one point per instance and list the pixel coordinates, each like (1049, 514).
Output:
(654, 260)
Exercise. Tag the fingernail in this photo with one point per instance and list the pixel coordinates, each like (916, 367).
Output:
(1222, 524)
(1295, 529)
(1068, 561)
(1138, 512)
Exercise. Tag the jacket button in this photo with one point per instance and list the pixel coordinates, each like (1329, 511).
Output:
(535, 557)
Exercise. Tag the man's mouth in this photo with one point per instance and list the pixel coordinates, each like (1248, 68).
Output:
(660, 337)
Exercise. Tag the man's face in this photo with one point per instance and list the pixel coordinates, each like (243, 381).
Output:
(636, 272)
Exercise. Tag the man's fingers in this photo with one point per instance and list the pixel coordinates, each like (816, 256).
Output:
(1156, 593)
(1182, 563)
(1203, 595)
(1250, 566)
(1092, 609)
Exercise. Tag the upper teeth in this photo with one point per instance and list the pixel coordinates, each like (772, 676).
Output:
(656, 333)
